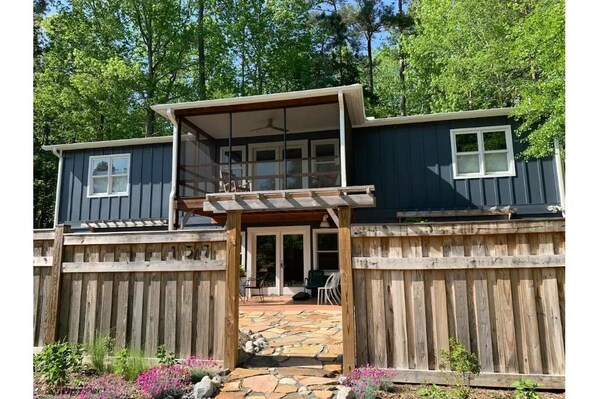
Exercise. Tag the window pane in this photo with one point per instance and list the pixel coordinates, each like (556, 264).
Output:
(237, 156)
(496, 162)
(495, 141)
(119, 166)
(324, 150)
(99, 167)
(119, 184)
(327, 242)
(328, 261)
(467, 142)
(99, 185)
(468, 164)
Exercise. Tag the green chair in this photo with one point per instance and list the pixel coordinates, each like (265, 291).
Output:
(315, 279)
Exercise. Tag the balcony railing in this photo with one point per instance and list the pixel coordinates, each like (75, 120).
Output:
(196, 180)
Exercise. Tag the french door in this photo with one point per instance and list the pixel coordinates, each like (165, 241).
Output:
(282, 256)
(267, 161)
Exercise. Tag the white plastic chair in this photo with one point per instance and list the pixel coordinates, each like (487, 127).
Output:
(330, 291)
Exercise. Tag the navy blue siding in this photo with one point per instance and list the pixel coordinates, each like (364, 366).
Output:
(411, 168)
(149, 179)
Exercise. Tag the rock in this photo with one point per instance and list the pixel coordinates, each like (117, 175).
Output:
(260, 341)
(240, 373)
(262, 383)
(317, 381)
(203, 389)
(303, 389)
(344, 393)
(230, 395)
(256, 336)
(223, 372)
(287, 381)
(285, 388)
(341, 380)
(217, 380)
(323, 394)
(232, 386)
(248, 347)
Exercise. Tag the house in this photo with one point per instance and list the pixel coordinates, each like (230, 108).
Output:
(313, 145)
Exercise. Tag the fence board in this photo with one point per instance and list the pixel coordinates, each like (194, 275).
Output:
(498, 292)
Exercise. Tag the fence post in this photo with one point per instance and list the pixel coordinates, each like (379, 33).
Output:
(231, 300)
(51, 316)
(346, 269)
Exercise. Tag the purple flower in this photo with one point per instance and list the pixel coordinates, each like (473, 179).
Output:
(367, 381)
(161, 381)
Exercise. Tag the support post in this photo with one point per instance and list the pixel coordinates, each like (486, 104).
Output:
(284, 150)
(51, 316)
(231, 300)
(347, 306)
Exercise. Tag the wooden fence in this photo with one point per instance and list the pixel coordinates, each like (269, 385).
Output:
(498, 288)
(144, 289)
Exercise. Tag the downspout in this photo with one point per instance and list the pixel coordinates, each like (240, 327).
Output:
(58, 153)
(560, 173)
(175, 152)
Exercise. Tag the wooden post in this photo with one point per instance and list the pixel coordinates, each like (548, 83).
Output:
(348, 315)
(231, 300)
(51, 317)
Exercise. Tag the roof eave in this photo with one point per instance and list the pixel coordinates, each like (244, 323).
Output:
(403, 120)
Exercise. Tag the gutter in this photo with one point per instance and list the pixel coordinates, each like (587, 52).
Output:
(560, 174)
(58, 153)
(175, 152)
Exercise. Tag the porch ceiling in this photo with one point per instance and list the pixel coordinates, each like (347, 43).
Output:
(311, 118)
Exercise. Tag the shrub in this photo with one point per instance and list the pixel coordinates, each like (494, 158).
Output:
(432, 392)
(129, 364)
(162, 381)
(199, 368)
(108, 386)
(98, 349)
(164, 357)
(55, 362)
(465, 366)
(368, 381)
(525, 389)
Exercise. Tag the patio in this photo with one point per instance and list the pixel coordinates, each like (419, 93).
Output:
(294, 329)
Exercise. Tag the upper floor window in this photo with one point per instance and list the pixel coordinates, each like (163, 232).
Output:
(108, 175)
(482, 152)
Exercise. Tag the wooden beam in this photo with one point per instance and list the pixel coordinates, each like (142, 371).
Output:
(495, 380)
(134, 237)
(259, 106)
(198, 129)
(494, 211)
(292, 202)
(347, 306)
(145, 266)
(52, 309)
(231, 299)
(460, 262)
(552, 225)
(333, 216)
(43, 234)
(41, 261)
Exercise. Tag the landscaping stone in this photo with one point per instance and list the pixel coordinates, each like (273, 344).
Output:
(230, 395)
(244, 373)
(275, 395)
(203, 389)
(286, 388)
(303, 350)
(323, 394)
(302, 362)
(290, 371)
(344, 392)
(317, 381)
(262, 383)
(287, 381)
(232, 386)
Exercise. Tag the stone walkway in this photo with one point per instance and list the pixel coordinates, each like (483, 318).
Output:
(301, 359)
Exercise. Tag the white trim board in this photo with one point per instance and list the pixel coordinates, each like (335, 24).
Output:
(109, 143)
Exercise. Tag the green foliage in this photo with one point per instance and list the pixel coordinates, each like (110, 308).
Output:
(129, 364)
(98, 349)
(55, 362)
(525, 389)
(165, 357)
(464, 365)
(433, 392)
(197, 374)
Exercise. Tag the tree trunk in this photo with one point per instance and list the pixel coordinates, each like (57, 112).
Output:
(201, 52)
(402, 97)
(370, 64)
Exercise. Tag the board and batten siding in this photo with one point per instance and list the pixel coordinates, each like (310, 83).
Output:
(411, 167)
(149, 185)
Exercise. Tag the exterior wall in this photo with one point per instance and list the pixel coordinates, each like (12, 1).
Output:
(411, 168)
(149, 185)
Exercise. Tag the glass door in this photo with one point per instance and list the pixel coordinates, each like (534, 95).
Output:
(281, 255)
(265, 166)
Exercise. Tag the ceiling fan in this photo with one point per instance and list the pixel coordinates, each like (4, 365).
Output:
(269, 125)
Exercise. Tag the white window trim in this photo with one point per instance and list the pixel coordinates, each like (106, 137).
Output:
(90, 194)
(314, 143)
(315, 233)
(277, 146)
(480, 131)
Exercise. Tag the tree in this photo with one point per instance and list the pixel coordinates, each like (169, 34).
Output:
(539, 51)
(369, 18)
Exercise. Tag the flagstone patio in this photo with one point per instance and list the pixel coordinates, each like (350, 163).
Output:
(303, 355)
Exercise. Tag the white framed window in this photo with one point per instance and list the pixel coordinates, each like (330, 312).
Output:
(482, 152)
(108, 175)
(325, 163)
(325, 249)
(267, 161)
